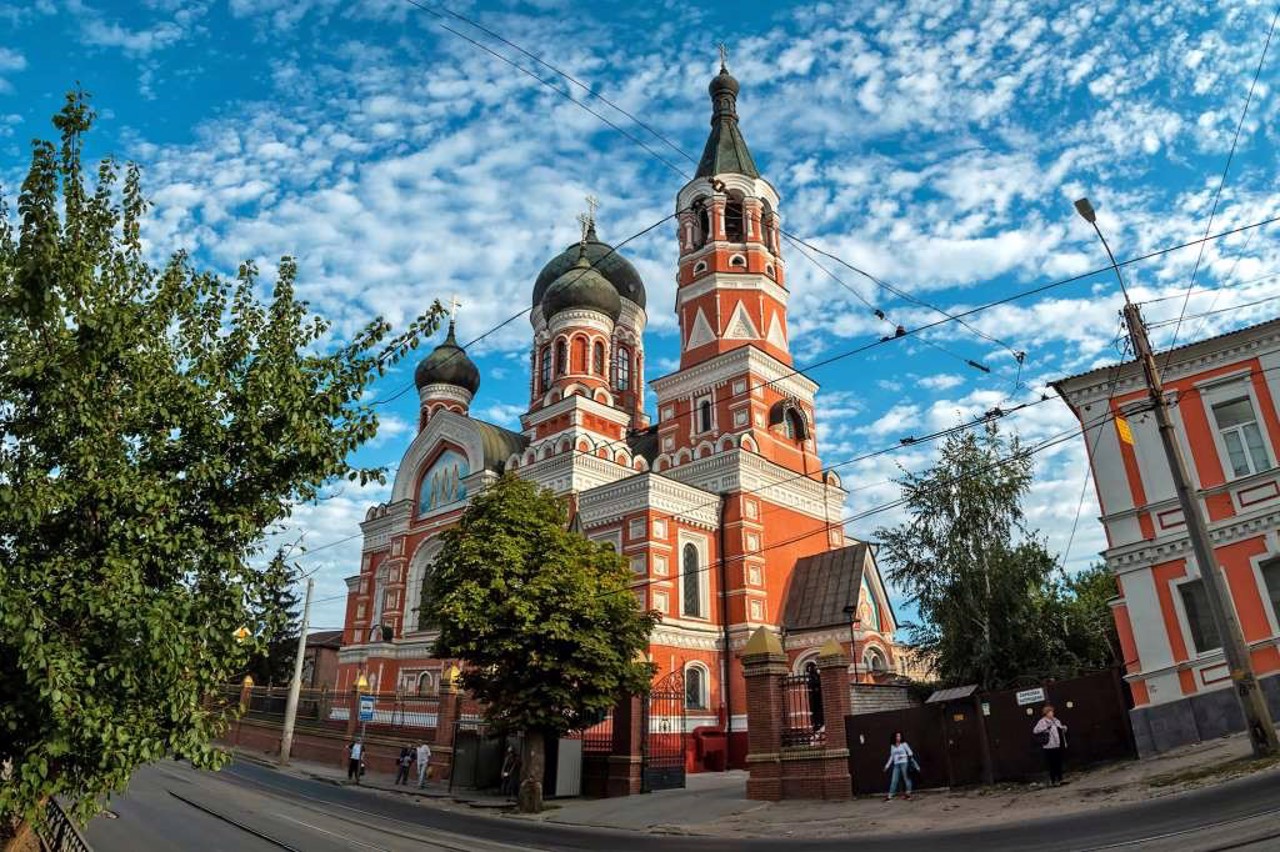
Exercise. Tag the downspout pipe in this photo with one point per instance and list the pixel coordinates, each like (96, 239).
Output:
(725, 655)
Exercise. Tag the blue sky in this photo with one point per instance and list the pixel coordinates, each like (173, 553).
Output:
(936, 144)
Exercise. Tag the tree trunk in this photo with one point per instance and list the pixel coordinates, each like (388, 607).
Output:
(531, 769)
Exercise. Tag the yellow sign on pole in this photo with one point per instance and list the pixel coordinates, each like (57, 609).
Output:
(1123, 430)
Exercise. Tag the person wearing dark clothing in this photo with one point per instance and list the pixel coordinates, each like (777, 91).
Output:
(355, 752)
(511, 773)
(403, 762)
(1052, 736)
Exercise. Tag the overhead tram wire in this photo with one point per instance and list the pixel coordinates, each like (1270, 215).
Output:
(1216, 290)
(1241, 306)
(970, 312)
(1222, 182)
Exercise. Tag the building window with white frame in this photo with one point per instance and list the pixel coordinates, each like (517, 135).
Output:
(695, 687)
(1270, 571)
(704, 415)
(1241, 436)
(1195, 603)
(691, 581)
(622, 370)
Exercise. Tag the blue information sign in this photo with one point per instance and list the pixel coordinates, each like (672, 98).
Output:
(366, 708)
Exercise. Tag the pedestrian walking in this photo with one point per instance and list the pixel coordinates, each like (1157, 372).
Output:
(424, 760)
(1051, 735)
(901, 761)
(403, 762)
(511, 773)
(355, 751)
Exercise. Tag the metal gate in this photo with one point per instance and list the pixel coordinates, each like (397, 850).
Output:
(664, 735)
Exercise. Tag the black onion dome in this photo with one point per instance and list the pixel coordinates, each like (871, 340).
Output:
(581, 286)
(448, 364)
(616, 269)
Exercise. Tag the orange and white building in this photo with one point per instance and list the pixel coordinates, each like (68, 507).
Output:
(1225, 391)
(714, 504)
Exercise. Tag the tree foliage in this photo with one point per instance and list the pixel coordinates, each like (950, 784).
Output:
(154, 421)
(994, 606)
(544, 619)
(275, 619)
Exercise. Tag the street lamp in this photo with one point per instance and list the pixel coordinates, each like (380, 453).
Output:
(854, 622)
(1253, 704)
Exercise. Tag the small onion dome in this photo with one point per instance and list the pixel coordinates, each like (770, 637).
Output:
(582, 287)
(448, 364)
(724, 82)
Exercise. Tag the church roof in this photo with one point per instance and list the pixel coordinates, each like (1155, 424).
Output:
(448, 364)
(726, 151)
(644, 443)
(499, 444)
(822, 585)
(325, 639)
(616, 269)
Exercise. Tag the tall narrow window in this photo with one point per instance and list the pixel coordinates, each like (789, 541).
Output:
(562, 358)
(733, 220)
(597, 358)
(793, 424)
(1238, 426)
(545, 367)
(623, 371)
(1204, 630)
(692, 582)
(695, 688)
(704, 223)
(704, 416)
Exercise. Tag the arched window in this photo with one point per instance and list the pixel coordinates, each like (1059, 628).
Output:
(733, 218)
(817, 717)
(695, 688)
(875, 661)
(692, 582)
(766, 226)
(623, 371)
(562, 358)
(545, 366)
(704, 416)
(597, 358)
(425, 684)
(578, 356)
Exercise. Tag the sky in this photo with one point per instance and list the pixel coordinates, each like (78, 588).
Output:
(937, 145)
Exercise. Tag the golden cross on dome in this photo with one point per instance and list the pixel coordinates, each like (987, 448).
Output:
(724, 57)
(453, 307)
(593, 204)
(584, 224)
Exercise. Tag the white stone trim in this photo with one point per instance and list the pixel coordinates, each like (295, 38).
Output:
(611, 503)
(733, 364)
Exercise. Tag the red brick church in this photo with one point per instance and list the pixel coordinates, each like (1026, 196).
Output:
(721, 503)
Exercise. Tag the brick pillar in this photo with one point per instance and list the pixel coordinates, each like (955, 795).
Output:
(764, 665)
(833, 669)
(447, 713)
(626, 763)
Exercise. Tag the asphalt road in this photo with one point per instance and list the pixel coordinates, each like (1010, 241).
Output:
(247, 807)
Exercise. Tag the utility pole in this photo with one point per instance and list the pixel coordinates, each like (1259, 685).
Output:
(295, 685)
(1262, 732)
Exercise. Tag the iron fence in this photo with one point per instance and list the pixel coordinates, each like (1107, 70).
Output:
(803, 723)
(58, 833)
(598, 738)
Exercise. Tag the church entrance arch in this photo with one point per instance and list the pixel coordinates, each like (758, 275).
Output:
(664, 735)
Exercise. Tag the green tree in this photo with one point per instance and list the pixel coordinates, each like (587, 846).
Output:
(155, 421)
(992, 603)
(275, 618)
(544, 619)
(1092, 639)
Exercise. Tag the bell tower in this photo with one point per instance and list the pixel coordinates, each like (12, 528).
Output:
(735, 386)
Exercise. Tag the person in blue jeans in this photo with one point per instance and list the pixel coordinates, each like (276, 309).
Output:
(900, 759)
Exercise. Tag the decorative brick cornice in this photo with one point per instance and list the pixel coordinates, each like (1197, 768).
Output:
(733, 364)
(649, 492)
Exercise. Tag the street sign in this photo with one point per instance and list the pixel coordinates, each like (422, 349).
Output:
(1030, 696)
(366, 708)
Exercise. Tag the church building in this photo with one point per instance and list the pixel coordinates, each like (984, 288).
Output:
(720, 504)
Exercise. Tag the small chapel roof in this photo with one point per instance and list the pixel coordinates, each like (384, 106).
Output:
(822, 586)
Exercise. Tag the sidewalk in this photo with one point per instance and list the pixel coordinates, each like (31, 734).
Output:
(715, 803)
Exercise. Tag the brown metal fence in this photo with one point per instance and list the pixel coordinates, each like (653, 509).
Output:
(986, 737)
(803, 721)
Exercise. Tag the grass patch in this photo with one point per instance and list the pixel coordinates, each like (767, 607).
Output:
(1239, 766)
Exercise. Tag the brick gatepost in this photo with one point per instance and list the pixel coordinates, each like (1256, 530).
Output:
(625, 760)
(441, 764)
(764, 665)
(837, 703)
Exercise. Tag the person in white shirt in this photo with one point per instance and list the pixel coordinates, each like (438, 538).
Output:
(424, 758)
(900, 759)
(1052, 735)
(355, 751)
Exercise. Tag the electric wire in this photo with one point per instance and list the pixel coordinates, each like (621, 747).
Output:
(1222, 182)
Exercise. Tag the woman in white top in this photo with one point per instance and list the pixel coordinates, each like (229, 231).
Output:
(1053, 742)
(900, 759)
